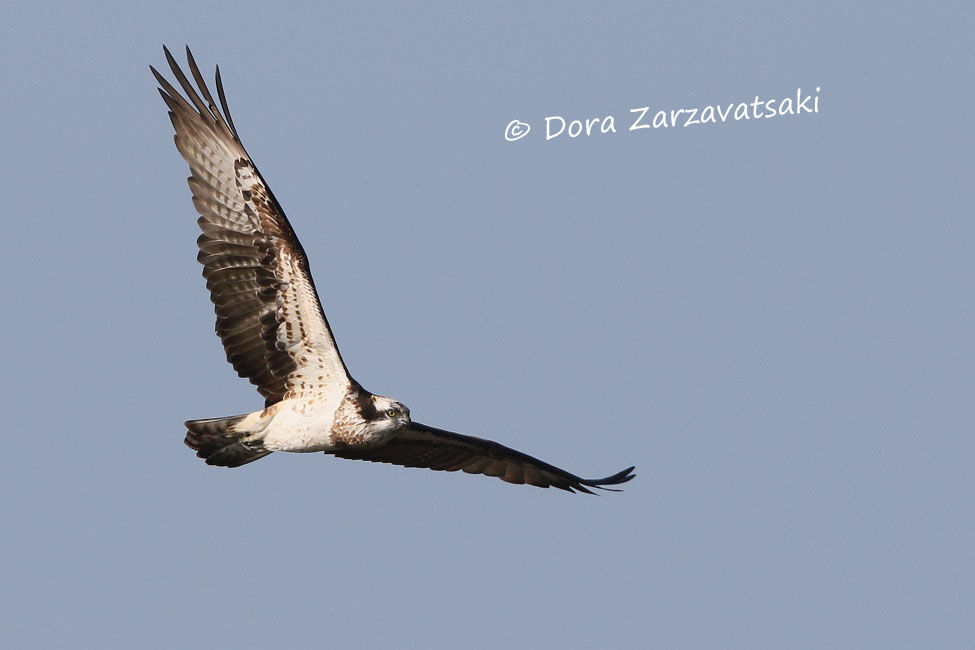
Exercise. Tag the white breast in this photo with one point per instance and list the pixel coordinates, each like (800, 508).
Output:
(301, 424)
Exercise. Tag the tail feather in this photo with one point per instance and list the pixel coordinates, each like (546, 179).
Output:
(216, 441)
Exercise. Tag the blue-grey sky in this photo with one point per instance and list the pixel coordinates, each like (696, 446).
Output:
(771, 318)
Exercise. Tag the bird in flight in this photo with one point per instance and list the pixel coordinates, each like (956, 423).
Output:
(273, 328)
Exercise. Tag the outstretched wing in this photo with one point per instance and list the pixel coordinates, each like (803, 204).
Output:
(269, 316)
(421, 446)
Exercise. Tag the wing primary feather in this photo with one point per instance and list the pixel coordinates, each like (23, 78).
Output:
(201, 83)
(187, 86)
(171, 95)
(223, 103)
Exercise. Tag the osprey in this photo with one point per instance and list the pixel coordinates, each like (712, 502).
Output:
(274, 330)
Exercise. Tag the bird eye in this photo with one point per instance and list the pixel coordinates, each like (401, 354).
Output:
(391, 413)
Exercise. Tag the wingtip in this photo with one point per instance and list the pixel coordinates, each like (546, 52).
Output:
(155, 73)
(190, 59)
(616, 479)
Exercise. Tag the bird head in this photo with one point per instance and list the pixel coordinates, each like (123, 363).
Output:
(387, 414)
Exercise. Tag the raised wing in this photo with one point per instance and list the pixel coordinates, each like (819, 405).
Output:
(269, 316)
(421, 446)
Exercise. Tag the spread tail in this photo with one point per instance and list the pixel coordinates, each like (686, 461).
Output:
(216, 441)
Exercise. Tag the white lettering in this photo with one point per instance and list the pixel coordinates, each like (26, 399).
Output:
(643, 111)
(548, 130)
